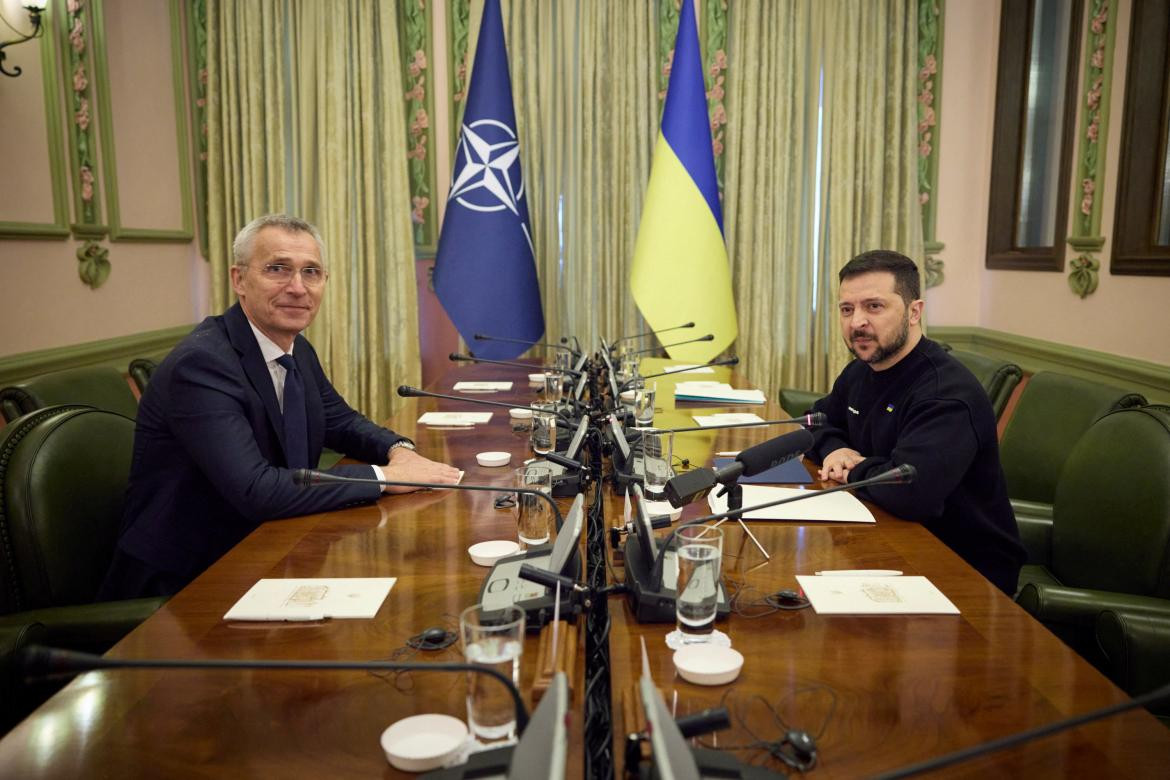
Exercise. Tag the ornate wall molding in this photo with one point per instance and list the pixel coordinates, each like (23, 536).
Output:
(458, 32)
(50, 76)
(930, 62)
(118, 230)
(667, 30)
(1084, 269)
(75, 32)
(414, 26)
(196, 20)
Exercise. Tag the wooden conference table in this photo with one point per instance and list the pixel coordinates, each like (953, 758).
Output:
(877, 693)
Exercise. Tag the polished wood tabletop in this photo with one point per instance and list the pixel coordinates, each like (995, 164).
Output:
(876, 692)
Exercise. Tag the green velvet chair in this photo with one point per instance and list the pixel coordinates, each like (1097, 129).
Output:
(1053, 412)
(102, 387)
(1136, 646)
(797, 402)
(998, 377)
(140, 371)
(63, 474)
(1110, 531)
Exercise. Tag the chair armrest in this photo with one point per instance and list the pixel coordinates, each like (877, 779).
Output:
(88, 627)
(1136, 646)
(1034, 521)
(797, 402)
(1079, 607)
(17, 697)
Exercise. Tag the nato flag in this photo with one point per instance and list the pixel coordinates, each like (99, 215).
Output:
(485, 271)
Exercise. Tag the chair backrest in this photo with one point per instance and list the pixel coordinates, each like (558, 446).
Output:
(1053, 412)
(63, 476)
(998, 377)
(141, 370)
(1111, 518)
(102, 387)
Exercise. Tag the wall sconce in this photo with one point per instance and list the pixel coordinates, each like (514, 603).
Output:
(34, 8)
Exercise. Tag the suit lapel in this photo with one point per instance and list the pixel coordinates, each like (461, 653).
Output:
(244, 341)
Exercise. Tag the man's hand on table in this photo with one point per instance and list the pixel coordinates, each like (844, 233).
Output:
(406, 465)
(839, 463)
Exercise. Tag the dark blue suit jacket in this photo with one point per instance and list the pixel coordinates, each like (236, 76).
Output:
(209, 463)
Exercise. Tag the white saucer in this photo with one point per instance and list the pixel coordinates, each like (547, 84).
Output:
(520, 414)
(493, 459)
(536, 379)
(487, 553)
(708, 664)
(423, 742)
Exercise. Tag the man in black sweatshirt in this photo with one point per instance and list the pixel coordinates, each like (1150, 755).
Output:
(906, 400)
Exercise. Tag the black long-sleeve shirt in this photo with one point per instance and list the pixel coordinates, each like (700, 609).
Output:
(929, 411)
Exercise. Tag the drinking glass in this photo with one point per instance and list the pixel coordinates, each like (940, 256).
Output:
(495, 639)
(657, 449)
(628, 366)
(554, 386)
(544, 429)
(700, 552)
(533, 514)
(644, 403)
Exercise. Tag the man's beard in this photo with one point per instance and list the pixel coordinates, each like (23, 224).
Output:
(883, 351)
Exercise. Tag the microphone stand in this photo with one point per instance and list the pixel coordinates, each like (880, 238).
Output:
(810, 420)
(731, 361)
(530, 344)
(708, 337)
(455, 357)
(311, 478)
(901, 475)
(41, 661)
(651, 333)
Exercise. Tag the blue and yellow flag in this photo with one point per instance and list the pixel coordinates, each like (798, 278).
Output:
(680, 269)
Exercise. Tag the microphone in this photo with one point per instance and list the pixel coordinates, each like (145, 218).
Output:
(811, 420)
(406, 391)
(693, 485)
(455, 357)
(485, 337)
(555, 457)
(899, 475)
(38, 661)
(708, 337)
(651, 333)
(730, 361)
(312, 477)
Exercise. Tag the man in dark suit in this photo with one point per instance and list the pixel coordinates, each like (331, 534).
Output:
(237, 406)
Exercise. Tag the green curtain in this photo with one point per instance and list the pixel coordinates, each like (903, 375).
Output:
(305, 115)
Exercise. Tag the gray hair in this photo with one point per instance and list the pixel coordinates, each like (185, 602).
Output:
(242, 246)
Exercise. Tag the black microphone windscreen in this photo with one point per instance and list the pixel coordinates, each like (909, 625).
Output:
(733, 361)
(481, 336)
(708, 337)
(816, 418)
(688, 325)
(764, 456)
(454, 356)
(406, 391)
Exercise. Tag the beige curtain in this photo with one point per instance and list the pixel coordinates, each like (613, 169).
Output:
(305, 115)
(583, 84)
(792, 224)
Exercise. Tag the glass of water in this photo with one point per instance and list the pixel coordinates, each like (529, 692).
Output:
(700, 553)
(533, 514)
(495, 639)
(554, 386)
(657, 449)
(644, 403)
(544, 429)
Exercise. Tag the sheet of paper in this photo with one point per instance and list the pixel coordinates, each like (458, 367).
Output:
(482, 387)
(839, 507)
(727, 418)
(312, 599)
(717, 392)
(454, 418)
(689, 368)
(875, 596)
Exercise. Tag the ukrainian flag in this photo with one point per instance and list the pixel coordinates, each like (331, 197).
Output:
(680, 269)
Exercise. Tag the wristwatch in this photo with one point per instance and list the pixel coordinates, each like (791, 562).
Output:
(407, 443)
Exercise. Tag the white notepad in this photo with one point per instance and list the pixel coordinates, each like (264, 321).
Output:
(716, 392)
(454, 418)
(875, 596)
(482, 387)
(840, 507)
(312, 599)
(729, 418)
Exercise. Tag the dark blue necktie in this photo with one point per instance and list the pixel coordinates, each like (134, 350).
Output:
(296, 424)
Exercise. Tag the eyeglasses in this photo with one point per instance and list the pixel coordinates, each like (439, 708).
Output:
(280, 273)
